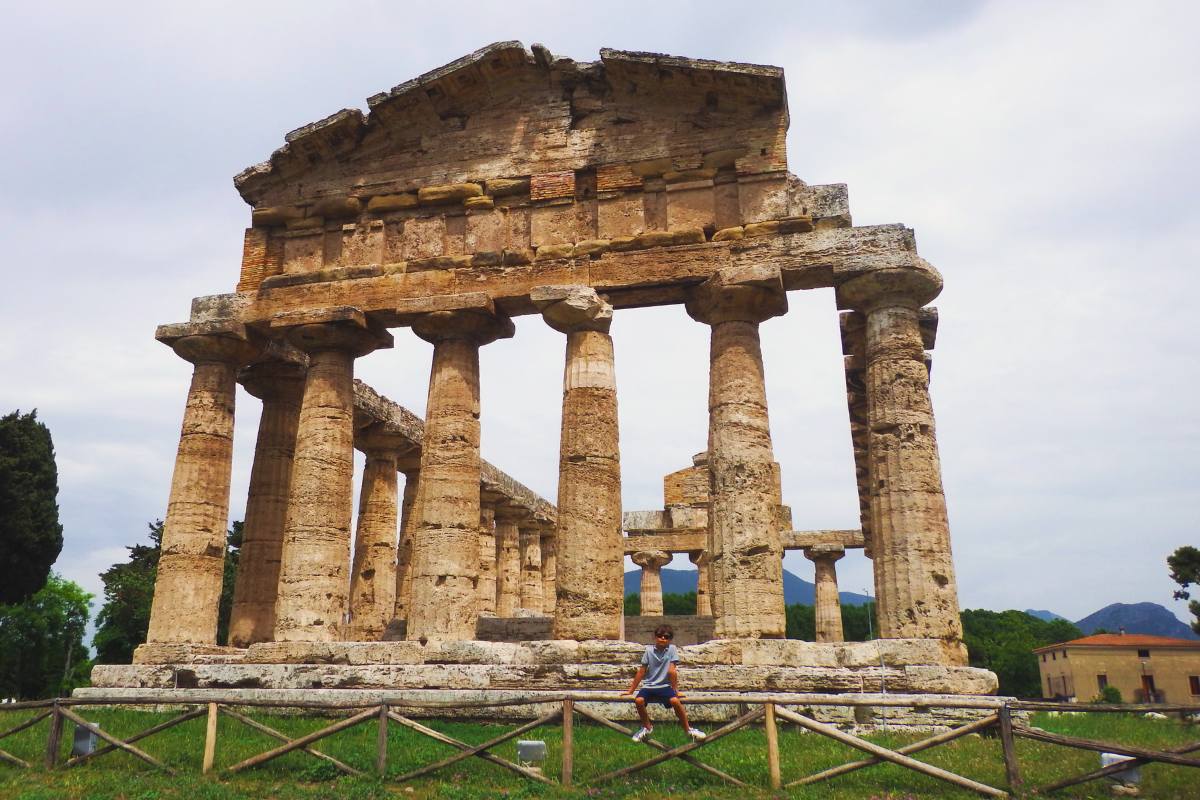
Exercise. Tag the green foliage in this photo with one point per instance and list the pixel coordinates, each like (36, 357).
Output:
(1185, 570)
(41, 642)
(1110, 695)
(29, 526)
(633, 605)
(679, 604)
(802, 622)
(1003, 641)
(129, 589)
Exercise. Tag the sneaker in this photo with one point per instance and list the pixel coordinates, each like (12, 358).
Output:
(698, 735)
(642, 734)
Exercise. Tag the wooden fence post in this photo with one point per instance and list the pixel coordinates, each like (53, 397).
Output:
(381, 742)
(54, 737)
(210, 739)
(568, 734)
(772, 745)
(1012, 769)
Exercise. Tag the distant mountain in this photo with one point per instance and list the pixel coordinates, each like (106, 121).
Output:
(1150, 618)
(1045, 616)
(795, 589)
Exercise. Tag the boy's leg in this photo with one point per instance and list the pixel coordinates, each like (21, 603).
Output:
(680, 712)
(643, 714)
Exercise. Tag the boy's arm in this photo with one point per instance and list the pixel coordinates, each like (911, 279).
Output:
(673, 678)
(637, 678)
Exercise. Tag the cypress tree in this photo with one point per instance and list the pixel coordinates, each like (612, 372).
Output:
(30, 533)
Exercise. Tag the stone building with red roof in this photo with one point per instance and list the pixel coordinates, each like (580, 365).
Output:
(1146, 669)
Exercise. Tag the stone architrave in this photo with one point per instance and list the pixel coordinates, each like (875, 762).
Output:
(487, 560)
(703, 583)
(445, 565)
(589, 589)
(280, 386)
(910, 536)
(744, 540)
(313, 579)
(187, 590)
(532, 582)
(508, 561)
(652, 562)
(409, 519)
(828, 604)
(549, 570)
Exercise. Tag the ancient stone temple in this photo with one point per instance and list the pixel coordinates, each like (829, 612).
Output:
(516, 182)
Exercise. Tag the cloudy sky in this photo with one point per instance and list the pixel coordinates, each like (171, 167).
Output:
(1045, 153)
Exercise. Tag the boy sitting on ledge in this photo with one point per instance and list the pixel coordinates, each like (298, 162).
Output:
(661, 683)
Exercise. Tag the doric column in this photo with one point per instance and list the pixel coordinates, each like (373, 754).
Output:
(508, 561)
(187, 591)
(446, 549)
(910, 536)
(652, 562)
(549, 570)
(590, 580)
(828, 605)
(410, 516)
(744, 543)
(703, 583)
(280, 386)
(313, 579)
(854, 345)
(487, 560)
(531, 569)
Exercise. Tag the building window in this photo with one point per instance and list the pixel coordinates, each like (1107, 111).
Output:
(1064, 655)
(1143, 653)
(1043, 658)
(1053, 656)
(1102, 682)
(1194, 683)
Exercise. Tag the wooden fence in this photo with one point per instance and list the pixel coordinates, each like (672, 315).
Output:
(769, 709)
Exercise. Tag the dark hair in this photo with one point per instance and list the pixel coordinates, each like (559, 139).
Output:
(665, 630)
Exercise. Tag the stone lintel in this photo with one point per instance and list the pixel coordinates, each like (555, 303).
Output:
(804, 540)
(224, 328)
(644, 520)
(209, 308)
(671, 541)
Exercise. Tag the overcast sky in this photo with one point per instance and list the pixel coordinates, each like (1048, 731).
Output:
(1045, 153)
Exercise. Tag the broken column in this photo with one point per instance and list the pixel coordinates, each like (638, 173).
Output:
(652, 562)
(508, 560)
(445, 564)
(703, 604)
(828, 604)
(280, 386)
(744, 542)
(589, 584)
(313, 579)
(531, 568)
(910, 536)
(187, 591)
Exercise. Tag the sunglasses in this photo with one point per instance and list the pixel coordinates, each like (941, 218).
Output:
(664, 636)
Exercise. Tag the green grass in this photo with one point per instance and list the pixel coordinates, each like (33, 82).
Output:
(742, 754)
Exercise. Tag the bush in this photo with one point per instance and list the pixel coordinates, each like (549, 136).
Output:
(1110, 695)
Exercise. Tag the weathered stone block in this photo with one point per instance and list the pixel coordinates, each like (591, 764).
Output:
(691, 208)
(383, 203)
(763, 197)
(303, 251)
(448, 193)
(622, 215)
(362, 244)
(504, 187)
(424, 237)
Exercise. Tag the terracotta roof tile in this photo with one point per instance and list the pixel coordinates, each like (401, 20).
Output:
(1123, 640)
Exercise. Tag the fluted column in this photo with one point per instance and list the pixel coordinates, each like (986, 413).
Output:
(373, 573)
(444, 603)
(508, 562)
(187, 591)
(917, 593)
(590, 580)
(549, 571)
(652, 562)
(531, 569)
(487, 561)
(744, 542)
(313, 580)
(828, 604)
(410, 515)
(280, 385)
(703, 583)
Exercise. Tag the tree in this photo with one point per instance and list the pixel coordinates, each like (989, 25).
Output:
(801, 622)
(129, 590)
(29, 526)
(41, 642)
(1185, 570)
(1003, 641)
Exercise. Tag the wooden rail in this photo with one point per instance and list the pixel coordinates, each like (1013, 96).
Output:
(766, 707)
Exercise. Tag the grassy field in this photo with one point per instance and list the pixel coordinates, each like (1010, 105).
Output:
(742, 754)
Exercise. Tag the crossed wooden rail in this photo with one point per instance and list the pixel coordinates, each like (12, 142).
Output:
(768, 708)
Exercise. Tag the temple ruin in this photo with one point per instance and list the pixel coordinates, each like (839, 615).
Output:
(515, 182)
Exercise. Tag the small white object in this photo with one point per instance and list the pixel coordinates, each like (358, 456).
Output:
(530, 751)
(1133, 775)
(697, 734)
(84, 741)
(1154, 715)
(642, 734)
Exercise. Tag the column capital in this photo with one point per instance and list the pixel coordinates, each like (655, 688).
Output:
(738, 294)
(273, 379)
(224, 343)
(700, 557)
(478, 326)
(651, 559)
(824, 552)
(377, 438)
(352, 335)
(909, 287)
(568, 309)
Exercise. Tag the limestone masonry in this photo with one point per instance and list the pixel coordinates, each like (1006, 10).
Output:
(515, 182)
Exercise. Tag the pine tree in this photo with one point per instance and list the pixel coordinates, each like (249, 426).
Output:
(30, 533)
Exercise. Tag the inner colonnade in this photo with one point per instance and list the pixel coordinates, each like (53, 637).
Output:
(515, 182)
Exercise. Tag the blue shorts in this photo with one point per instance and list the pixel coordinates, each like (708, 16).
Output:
(662, 694)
